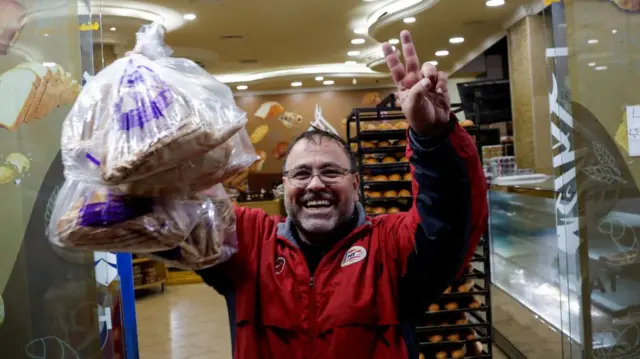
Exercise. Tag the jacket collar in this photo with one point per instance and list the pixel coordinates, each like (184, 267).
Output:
(285, 229)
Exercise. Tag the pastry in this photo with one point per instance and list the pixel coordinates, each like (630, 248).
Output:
(367, 144)
(369, 127)
(394, 177)
(441, 355)
(374, 194)
(448, 290)
(370, 161)
(384, 144)
(466, 286)
(385, 127)
(368, 209)
(436, 338)
(366, 177)
(403, 159)
(434, 307)
(380, 178)
(421, 356)
(393, 210)
(472, 335)
(404, 193)
(403, 125)
(475, 304)
(390, 193)
(457, 354)
(462, 321)
(379, 210)
(466, 123)
(407, 177)
(402, 143)
(388, 160)
(454, 337)
(451, 306)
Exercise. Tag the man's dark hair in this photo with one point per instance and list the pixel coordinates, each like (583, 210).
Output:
(316, 136)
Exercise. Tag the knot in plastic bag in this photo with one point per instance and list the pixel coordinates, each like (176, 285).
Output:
(150, 41)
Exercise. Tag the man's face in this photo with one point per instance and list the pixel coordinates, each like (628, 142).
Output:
(319, 208)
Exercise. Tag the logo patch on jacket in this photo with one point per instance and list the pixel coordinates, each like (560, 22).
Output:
(354, 255)
(280, 263)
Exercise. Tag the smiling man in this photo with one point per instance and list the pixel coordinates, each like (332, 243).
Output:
(329, 282)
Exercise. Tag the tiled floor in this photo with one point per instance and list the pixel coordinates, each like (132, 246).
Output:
(186, 322)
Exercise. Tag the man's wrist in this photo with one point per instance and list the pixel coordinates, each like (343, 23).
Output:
(432, 141)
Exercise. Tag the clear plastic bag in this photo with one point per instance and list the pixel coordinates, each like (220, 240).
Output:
(193, 233)
(137, 118)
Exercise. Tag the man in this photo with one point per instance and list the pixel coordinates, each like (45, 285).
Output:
(329, 282)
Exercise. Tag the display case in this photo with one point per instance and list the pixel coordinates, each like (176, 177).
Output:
(530, 267)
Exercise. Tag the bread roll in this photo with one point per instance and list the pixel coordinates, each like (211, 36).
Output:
(404, 193)
(369, 127)
(448, 290)
(367, 144)
(466, 123)
(379, 210)
(453, 337)
(457, 354)
(465, 287)
(390, 194)
(385, 127)
(384, 144)
(380, 178)
(394, 177)
(370, 161)
(402, 143)
(374, 194)
(434, 307)
(368, 209)
(388, 160)
(421, 356)
(435, 338)
(475, 304)
(407, 177)
(441, 355)
(462, 321)
(451, 306)
(366, 177)
(393, 210)
(403, 159)
(403, 125)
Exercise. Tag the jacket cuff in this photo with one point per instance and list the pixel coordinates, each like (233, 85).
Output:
(424, 144)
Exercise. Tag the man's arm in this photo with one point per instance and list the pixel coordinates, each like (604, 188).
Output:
(438, 236)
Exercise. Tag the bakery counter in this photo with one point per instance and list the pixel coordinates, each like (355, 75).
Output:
(527, 268)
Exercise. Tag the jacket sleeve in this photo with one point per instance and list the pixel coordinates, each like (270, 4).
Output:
(438, 236)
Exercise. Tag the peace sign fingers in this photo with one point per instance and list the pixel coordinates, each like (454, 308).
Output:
(404, 75)
(411, 61)
(396, 67)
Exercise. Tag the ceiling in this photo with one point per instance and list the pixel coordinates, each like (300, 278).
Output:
(267, 45)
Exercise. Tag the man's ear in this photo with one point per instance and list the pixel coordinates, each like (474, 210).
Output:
(356, 184)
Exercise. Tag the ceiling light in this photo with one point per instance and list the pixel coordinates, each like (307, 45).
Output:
(442, 53)
(328, 82)
(409, 20)
(353, 53)
(394, 41)
(354, 81)
(493, 3)
(614, 31)
(357, 41)
(456, 40)
(189, 16)
(592, 64)
(46, 35)
(319, 78)
(296, 84)
(113, 29)
(350, 63)
(242, 87)
(360, 31)
(434, 63)
(600, 68)
(592, 41)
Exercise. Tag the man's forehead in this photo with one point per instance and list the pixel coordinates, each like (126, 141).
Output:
(317, 151)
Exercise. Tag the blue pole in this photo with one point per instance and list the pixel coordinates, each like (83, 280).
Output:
(130, 327)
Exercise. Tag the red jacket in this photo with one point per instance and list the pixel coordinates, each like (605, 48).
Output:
(368, 287)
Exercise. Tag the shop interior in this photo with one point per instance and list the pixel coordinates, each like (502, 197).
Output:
(545, 87)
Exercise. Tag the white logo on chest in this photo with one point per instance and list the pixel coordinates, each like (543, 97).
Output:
(354, 255)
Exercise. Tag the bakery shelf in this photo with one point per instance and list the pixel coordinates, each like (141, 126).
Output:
(380, 135)
(451, 327)
(383, 150)
(392, 166)
(482, 308)
(457, 342)
(385, 200)
(387, 184)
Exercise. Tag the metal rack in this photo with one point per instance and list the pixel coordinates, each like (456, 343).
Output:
(437, 328)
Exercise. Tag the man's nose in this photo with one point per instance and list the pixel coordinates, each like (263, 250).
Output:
(315, 184)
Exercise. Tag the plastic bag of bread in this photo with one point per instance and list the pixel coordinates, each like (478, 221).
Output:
(137, 118)
(212, 241)
(193, 232)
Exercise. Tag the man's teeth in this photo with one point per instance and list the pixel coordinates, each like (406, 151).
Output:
(317, 203)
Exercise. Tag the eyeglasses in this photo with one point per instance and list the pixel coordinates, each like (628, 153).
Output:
(328, 176)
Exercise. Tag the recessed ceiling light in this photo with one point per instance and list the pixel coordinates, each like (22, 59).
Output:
(614, 31)
(328, 82)
(357, 41)
(189, 16)
(319, 78)
(434, 63)
(296, 84)
(493, 3)
(353, 53)
(360, 31)
(600, 68)
(394, 41)
(442, 53)
(350, 63)
(592, 64)
(456, 40)
(354, 81)
(593, 41)
(409, 20)
(242, 87)
(46, 35)
(113, 29)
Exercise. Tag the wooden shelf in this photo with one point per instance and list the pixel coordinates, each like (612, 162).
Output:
(157, 283)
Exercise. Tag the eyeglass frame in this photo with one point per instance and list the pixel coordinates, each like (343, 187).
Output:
(316, 173)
